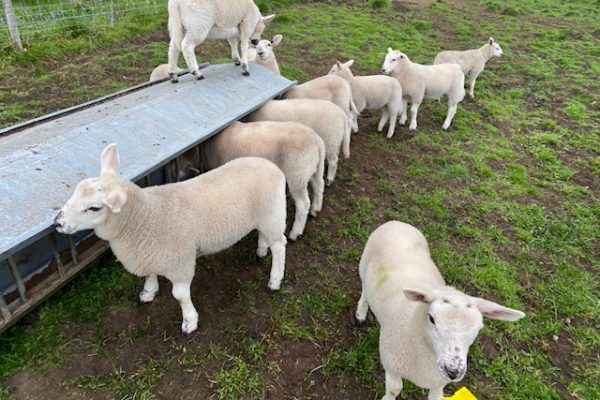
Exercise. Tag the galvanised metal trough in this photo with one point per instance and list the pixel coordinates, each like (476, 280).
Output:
(42, 160)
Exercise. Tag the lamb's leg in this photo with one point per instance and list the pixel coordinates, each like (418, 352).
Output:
(436, 394)
(188, 45)
(385, 115)
(317, 183)
(233, 43)
(472, 78)
(263, 246)
(414, 108)
(332, 164)
(150, 289)
(174, 50)
(362, 308)
(181, 292)
(451, 112)
(393, 387)
(392, 127)
(403, 116)
(277, 247)
(302, 203)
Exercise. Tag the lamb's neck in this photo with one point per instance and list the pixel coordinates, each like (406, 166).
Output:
(486, 52)
(270, 63)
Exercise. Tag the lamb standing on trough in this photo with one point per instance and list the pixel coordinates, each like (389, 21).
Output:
(293, 147)
(426, 326)
(373, 92)
(425, 81)
(330, 88)
(324, 117)
(193, 21)
(160, 230)
(472, 62)
(265, 55)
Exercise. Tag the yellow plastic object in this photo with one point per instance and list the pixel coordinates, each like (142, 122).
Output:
(462, 394)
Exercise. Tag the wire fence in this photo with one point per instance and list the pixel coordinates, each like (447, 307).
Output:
(71, 18)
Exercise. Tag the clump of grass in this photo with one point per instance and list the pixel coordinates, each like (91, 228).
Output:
(380, 4)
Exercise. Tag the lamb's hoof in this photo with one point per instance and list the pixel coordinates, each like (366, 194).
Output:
(389, 136)
(313, 213)
(412, 128)
(294, 236)
(262, 252)
(245, 73)
(357, 321)
(445, 127)
(189, 326)
(329, 182)
(146, 297)
(237, 63)
(273, 287)
(173, 77)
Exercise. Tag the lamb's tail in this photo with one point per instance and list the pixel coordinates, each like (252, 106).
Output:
(346, 139)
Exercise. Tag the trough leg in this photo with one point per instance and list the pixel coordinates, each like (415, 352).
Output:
(181, 292)
(150, 289)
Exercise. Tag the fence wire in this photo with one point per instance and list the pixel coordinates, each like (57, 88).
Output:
(71, 18)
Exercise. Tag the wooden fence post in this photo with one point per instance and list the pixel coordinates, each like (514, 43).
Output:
(11, 20)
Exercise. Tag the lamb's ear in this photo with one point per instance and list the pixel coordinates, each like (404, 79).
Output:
(109, 159)
(115, 200)
(390, 50)
(493, 310)
(268, 18)
(276, 40)
(426, 296)
(491, 41)
(349, 63)
(339, 64)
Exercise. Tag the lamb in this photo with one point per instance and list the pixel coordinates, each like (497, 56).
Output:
(324, 117)
(331, 88)
(373, 92)
(265, 55)
(160, 230)
(162, 72)
(426, 326)
(293, 147)
(425, 81)
(472, 62)
(193, 21)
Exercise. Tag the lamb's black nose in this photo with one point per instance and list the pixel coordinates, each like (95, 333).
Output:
(254, 42)
(383, 70)
(451, 373)
(260, 54)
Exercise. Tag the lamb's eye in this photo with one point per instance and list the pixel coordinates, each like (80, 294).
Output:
(94, 209)
(431, 319)
(269, 44)
(394, 60)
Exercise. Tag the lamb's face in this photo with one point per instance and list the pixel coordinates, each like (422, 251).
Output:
(496, 50)
(264, 49)
(94, 198)
(452, 325)
(394, 60)
(86, 209)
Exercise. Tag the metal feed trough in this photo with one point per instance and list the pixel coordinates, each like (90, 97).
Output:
(41, 162)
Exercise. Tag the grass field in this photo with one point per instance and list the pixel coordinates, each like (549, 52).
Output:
(508, 198)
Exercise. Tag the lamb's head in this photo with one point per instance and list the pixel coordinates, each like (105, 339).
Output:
(94, 198)
(394, 61)
(264, 48)
(495, 48)
(260, 27)
(342, 70)
(452, 323)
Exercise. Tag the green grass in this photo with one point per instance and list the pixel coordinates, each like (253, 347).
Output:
(508, 198)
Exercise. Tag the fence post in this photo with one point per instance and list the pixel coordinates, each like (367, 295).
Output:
(11, 20)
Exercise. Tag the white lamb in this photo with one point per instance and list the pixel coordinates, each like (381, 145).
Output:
(425, 81)
(373, 92)
(324, 117)
(265, 55)
(193, 21)
(472, 62)
(160, 230)
(293, 147)
(426, 326)
(162, 72)
(330, 88)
